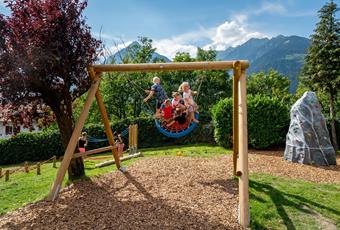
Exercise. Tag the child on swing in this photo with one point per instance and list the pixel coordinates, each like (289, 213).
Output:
(189, 100)
(167, 112)
(159, 92)
(177, 101)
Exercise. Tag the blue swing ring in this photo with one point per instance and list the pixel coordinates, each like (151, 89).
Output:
(180, 133)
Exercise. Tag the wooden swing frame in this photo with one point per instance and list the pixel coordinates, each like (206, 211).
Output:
(240, 130)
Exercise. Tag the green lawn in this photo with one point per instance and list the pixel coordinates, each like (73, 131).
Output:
(282, 203)
(276, 202)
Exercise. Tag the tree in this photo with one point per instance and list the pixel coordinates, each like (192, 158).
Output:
(272, 84)
(183, 57)
(206, 55)
(45, 48)
(321, 71)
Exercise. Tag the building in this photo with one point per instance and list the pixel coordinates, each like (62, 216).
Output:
(7, 129)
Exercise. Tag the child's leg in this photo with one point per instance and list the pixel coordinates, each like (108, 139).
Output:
(170, 123)
(192, 117)
(120, 149)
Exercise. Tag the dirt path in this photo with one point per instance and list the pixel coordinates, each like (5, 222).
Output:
(159, 193)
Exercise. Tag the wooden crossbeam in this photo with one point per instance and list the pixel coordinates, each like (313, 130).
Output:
(147, 67)
(106, 163)
(93, 151)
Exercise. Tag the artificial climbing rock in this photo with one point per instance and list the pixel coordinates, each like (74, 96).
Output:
(307, 140)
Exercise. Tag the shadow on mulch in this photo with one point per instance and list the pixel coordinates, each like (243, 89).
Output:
(98, 206)
(230, 185)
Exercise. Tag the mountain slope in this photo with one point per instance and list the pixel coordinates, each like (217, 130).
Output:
(284, 54)
(132, 50)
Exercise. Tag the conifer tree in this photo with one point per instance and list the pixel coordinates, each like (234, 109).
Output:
(322, 63)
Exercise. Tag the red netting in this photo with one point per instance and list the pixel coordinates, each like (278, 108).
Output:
(176, 127)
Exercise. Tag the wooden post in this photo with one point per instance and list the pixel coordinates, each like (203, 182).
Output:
(130, 139)
(73, 142)
(244, 213)
(7, 175)
(106, 121)
(133, 139)
(0, 172)
(54, 162)
(136, 137)
(26, 167)
(38, 168)
(237, 74)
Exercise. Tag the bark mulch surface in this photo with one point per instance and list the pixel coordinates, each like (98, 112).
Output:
(156, 193)
(272, 162)
(160, 193)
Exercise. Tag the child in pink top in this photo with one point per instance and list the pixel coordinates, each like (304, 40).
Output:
(177, 101)
(189, 100)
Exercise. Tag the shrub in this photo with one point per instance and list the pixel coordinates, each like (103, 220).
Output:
(268, 122)
(43, 145)
(30, 147)
(222, 114)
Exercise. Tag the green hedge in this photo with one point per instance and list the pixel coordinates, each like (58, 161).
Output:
(268, 122)
(30, 147)
(43, 145)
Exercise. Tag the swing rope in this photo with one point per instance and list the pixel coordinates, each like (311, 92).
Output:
(199, 88)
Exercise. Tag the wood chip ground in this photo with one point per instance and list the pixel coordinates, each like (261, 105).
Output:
(159, 193)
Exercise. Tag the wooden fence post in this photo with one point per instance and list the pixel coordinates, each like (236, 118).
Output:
(38, 168)
(26, 167)
(7, 175)
(54, 162)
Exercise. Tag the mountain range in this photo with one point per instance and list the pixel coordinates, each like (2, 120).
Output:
(282, 53)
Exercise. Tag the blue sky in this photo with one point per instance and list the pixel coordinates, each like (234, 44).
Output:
(182, 25)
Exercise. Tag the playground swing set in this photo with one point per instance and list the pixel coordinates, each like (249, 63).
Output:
(132, 130)
(240, 130)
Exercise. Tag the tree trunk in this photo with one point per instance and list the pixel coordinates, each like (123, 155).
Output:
(332, 118)
(65, 123)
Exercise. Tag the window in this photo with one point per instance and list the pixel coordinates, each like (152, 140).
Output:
(9, 130)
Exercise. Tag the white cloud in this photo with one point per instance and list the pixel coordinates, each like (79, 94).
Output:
(270, 7)
(169, 47)
(232, 33)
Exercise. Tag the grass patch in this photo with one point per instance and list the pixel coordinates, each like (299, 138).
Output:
(282, 203)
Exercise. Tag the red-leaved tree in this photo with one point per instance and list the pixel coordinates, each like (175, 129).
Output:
(45, 48)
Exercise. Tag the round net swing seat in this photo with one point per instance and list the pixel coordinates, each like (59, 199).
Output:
(176, 130)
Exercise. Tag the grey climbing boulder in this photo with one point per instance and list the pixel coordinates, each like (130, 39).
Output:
(307, 141)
